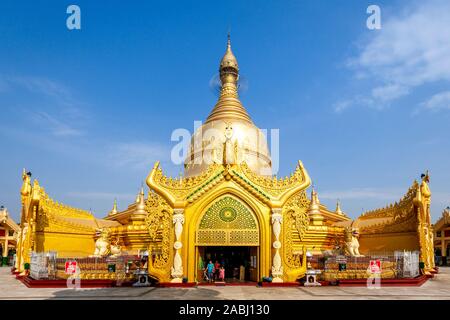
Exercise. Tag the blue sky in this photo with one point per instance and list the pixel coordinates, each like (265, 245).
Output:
(89, 111)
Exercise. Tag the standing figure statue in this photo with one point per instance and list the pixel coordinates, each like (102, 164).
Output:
(26, 185)
(229, 149)
(426, 198)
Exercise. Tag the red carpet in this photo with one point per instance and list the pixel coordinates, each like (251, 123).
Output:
(31, 283)
(406, 282)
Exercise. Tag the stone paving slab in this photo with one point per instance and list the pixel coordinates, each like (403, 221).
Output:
(434, 289)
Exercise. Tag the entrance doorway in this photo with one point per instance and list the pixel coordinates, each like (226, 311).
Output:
(240, 262)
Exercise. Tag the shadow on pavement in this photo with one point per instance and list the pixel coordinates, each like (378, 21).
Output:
(147, 293)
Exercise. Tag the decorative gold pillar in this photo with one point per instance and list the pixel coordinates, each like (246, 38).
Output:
(277, 267)
(5, 248)
(177, 269)
(18, 249)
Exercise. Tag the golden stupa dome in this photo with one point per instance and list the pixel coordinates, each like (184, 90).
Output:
(228, 135)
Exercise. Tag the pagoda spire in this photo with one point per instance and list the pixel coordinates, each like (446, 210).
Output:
(314, 209)
(114, 209)
(338, 208)
(229, 106)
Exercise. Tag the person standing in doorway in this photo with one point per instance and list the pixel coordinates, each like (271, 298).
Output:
(216, 269)
(210, 268)
(222, 273)
(242, 273)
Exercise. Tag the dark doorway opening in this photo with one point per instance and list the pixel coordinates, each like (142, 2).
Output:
(240, 262)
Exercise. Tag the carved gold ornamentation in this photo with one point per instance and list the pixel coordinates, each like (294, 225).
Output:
(216, 229)
(275, 186)
(182, 187)
(402, 216)
(296, 221)
(160, 228)
(399, 210)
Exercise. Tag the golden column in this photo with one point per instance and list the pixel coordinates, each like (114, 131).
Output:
(177, 269)
(277, 267)
(5, 248)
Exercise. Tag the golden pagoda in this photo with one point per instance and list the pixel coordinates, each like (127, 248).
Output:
(226, 204)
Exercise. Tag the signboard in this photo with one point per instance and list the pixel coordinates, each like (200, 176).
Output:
(71, 267)
(375, 266)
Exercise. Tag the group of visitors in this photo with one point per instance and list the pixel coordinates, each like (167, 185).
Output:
(214, 271)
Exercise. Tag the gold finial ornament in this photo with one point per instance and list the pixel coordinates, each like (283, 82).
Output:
(114, 209)
(338, 208)
(314, 209)
(229, 61)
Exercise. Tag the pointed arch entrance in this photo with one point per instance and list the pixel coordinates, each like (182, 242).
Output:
(228, 232)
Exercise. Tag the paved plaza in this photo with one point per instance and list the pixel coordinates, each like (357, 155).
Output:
(437, 288)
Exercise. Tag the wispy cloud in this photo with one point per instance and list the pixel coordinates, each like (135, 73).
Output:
(341, 106)
(100, 195)
(412, 49)
(54, 108)
(56, 126)
(138, 155)
(363, 193)
(438, 101)
(40, 85)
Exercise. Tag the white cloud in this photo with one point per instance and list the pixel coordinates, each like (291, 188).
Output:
(363, 193)
(54, 107)
(412, 49)
(389, 92)
(438, 101)
(57, 127)
(355, 101)
(40, 85)
(100, 195)
(138, 155)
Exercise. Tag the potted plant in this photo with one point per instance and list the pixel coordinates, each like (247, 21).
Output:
(26, 266)
(421, 266)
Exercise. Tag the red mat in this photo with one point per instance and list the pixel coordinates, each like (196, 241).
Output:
(32, 283)
(407, 282)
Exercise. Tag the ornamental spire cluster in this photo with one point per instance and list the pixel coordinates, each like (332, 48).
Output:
(229, 106)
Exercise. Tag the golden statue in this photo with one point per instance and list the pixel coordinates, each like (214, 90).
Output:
(102, 245)
(116, 249)
(351, 242)
(426, 196)
(26, 185)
